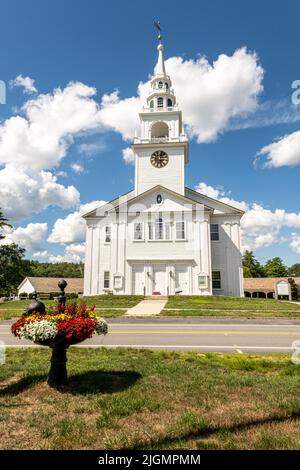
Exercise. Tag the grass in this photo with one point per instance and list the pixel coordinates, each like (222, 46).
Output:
(14, 308)
(137, 399)
(229, 306)
(177, 306)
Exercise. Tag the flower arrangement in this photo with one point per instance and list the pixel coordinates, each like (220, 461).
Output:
(70, 323)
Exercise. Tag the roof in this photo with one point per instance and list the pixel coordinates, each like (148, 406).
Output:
(208, 198)
(190, 195)
(264, 284)
(130, 197)
(49, 284)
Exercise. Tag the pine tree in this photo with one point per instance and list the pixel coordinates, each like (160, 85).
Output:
(252, 267)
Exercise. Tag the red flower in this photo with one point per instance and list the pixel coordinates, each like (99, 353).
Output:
(79, 328)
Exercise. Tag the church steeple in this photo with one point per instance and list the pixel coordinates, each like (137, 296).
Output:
(160, 146)
(160, 66)
(161, 95)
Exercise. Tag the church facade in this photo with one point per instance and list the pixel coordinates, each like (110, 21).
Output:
(163, 237)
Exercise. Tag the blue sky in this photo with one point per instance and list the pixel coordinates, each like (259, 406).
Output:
(112, 45)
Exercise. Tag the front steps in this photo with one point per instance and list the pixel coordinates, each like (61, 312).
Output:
(156, 297)
(150, 306)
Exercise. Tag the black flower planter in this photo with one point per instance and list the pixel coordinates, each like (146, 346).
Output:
(58, 375)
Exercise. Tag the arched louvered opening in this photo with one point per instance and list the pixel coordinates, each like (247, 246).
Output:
(159, 130)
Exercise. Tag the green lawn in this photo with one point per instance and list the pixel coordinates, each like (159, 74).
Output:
(12, 309)
(229, 306)
(135, 399)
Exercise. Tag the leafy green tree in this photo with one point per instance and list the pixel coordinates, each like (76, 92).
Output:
(275, 268)
(13, 268)
(294, 270)
(252, 267)
(3, 223)
(56, 269)
(295, 289)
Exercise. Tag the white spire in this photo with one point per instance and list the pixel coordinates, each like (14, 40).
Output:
(160, 66)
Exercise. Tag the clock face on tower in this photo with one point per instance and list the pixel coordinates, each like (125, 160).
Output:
(159, 159)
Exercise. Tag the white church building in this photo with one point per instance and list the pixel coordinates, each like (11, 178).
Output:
(163, 237)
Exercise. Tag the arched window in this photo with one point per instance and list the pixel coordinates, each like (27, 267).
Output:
(170, 103)
(160, 102)
(160, 84)
(159, 129)
(151, 104)
(159, 229)
(166, 85)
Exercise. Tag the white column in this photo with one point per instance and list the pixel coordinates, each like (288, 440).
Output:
(205, 248)
(88, 260)
(95, 261)
(238, 264)
(121, 252)
(113, 251)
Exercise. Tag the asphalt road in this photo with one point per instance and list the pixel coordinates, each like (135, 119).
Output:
(235, 336)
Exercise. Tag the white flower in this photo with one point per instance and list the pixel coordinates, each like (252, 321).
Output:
(101, 328)
(41, 330)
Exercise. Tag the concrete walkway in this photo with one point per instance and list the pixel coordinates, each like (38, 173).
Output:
(147, 307)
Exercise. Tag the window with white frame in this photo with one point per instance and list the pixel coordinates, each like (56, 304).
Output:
(107, 234)
(159, 230)
(160, 102)
(180, 230)
(106, 280)
(138, 231)
(214, 232)
(216, 280)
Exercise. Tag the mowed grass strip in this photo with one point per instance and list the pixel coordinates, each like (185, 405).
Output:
(229, 306)
(137, 399)
(14, 308)
(231, 313)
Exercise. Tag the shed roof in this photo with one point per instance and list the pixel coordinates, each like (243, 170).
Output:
(49, 284)
(257, 284)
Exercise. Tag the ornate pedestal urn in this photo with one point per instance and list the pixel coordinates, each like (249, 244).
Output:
(60, 327)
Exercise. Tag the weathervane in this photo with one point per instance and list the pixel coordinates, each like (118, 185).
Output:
(158, 27)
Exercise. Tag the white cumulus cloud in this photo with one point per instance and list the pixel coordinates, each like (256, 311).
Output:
(221, 195)
(283, 152)
(260, 227)
(128, 155)
(26, 83)
(208, 94)
(30, 237)
(25, 192)
(72, 228)
(295, 243)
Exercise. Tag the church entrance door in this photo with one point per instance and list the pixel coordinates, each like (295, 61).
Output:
(181, 278)
(138, 279)
(159, 278)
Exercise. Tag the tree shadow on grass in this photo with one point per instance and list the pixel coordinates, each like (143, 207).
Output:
(90, 382)
(22, 384)
(205, 430)
(101, 381)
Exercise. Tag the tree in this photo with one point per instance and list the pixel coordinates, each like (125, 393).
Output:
(56, 269)
(275, 268)
(294, 270)
(252, 267)
(3, 223)
(13, 268)
(295, 290)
